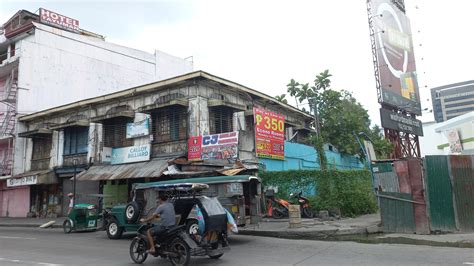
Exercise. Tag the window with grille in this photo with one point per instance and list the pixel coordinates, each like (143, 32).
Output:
(115, 132)
(76, 140)
(169, 124)
(220, 119)
(42, 147)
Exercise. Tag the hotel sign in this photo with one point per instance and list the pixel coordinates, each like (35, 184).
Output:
(56, 20)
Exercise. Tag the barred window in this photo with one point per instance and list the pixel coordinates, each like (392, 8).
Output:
(169, 124)
(42, 147)
(76, 140)
(220, 119)
(115, 132)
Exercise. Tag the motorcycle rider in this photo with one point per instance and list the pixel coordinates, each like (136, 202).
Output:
(165, 211)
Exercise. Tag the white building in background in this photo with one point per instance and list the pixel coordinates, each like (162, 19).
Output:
(454, 136)
(46, 60)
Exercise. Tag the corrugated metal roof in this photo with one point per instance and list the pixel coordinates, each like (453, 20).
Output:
(150, 169)
(205, 180)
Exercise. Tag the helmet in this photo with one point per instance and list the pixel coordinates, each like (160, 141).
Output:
(70, 194)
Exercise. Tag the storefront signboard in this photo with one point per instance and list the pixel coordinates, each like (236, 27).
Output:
(131, 154)
(138, 129)
(23, 181)
(212, 147)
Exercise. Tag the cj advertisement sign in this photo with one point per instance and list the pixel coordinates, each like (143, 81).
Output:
(214, 147)
(269, 134)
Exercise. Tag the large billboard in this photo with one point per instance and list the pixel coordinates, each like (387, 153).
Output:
(396, 59)
(269, 134)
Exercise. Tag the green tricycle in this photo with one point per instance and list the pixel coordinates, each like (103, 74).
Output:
(83, 217)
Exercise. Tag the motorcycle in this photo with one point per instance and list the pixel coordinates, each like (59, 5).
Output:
(282, 206)
(304, 204)
(173, 244)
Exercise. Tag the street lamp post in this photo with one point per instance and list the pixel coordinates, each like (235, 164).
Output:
(74, 163)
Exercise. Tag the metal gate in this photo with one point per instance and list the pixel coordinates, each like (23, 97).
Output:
(440, 197)
(396, 210)
(463, 187)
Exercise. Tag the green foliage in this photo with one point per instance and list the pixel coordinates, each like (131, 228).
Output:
(341, 116)
(350, 191)
(318, 143)
(281, 98)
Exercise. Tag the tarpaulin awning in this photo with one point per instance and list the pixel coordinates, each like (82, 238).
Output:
(149, 169)
(33, 178)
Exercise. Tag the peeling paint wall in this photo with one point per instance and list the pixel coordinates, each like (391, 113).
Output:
(54, 150)
(198, 117)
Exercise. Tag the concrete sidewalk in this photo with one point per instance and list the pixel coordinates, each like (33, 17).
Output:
(363, 229)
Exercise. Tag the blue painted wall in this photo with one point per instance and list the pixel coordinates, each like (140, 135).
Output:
(303, 157)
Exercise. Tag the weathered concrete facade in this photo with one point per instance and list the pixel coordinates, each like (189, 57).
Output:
(178, 108)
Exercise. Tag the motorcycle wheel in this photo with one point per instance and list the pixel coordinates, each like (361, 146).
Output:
(181, 249)
(138, 250)
(308, 213)
(277, 213)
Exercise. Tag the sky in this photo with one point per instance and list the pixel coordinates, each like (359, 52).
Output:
(263, 44)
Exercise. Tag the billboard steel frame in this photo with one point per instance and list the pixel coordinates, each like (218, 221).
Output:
(406, 145)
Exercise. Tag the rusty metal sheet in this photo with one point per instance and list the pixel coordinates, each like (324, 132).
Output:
(401, 169)
(385, 178)
(439, 193)
(149, 169)
(417, 191)
(396, 210)
(463, 187)
(387, 181)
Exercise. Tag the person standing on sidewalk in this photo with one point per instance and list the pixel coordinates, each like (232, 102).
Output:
(71, 203)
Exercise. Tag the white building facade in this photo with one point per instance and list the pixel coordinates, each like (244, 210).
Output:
(43, 66)
(454, 136)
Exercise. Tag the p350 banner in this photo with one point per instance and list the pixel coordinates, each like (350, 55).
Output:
(269, 134)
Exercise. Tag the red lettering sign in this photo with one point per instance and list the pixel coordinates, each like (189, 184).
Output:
(57, 20)
(269, 134)
(194, 148)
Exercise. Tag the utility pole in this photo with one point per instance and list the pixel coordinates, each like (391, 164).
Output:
(74, 162)
(314, 105)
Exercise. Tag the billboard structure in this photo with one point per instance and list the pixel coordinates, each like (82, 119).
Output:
(269, 134)
(395, 75)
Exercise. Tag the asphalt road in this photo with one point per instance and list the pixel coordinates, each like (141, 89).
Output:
(31, 246)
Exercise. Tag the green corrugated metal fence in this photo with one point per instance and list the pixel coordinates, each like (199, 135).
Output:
(440, 197)
(397, 212)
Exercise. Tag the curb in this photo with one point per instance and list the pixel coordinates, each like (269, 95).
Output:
(30, 225)
(308, 235)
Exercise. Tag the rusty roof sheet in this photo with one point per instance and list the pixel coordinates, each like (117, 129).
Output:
(151, 169)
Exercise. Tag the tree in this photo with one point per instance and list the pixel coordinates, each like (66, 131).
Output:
(339, 115)
(281, 98)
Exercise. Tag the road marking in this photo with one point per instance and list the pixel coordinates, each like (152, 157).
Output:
(468, 263)
(30, 262)
(17, 237)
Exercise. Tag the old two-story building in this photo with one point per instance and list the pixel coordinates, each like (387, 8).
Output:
(141, 134)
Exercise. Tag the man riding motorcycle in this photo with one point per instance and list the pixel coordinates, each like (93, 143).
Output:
(165, 211)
